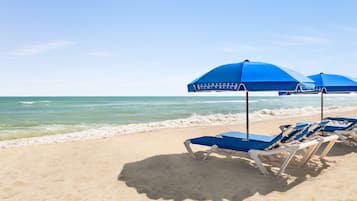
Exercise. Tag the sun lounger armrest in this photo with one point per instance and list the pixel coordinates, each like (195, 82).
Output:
(327, 138)
(284, 127)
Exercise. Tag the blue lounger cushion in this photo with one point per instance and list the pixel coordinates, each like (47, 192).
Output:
(241, 135)
(231, 143)
(350, 119)
(335, 127)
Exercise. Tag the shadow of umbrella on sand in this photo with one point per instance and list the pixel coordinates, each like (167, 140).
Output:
(179, 177)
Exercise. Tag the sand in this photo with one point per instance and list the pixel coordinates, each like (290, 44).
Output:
(155, 166)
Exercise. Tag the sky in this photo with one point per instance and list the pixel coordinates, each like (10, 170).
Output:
(140, 48)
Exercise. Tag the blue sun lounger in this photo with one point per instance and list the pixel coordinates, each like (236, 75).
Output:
(258, 145)
(307, 134)
(344, 127)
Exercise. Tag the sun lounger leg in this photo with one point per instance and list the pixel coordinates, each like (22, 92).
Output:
(354, 136)
(286, 162)
(189, 149)
(328, 148)
(342, 137)
(213, 149)
(254, 155)
(310, 153)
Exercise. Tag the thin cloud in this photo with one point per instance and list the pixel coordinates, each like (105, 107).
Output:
(40, 48)
(241, 49)
(309, 39)
(100, 54)
(295, 40)
(350, 28)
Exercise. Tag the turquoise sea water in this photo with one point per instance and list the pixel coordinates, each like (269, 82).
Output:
(34, 116)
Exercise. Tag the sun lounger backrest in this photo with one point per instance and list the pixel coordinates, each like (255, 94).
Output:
(306, 131)
(343, 119)
(349, 121)
(313, 130)
(287, 134)
(301, 127)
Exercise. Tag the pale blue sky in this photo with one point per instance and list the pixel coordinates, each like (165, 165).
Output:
(157, 47)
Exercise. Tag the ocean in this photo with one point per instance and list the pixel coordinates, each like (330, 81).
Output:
(36, 116)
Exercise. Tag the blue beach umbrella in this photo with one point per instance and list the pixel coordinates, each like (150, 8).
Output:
(332, 83)
(250, 76)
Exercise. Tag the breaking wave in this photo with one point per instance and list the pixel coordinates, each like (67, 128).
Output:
(34, 102)
(57, 134)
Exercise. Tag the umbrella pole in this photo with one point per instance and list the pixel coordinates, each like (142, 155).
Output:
(247, 113)
(322, 105)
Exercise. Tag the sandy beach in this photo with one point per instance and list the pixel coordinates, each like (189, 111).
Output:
(155, 166)
(99, 101)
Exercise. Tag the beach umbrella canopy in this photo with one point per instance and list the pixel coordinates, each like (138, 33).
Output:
(332, 83)
(250, 76)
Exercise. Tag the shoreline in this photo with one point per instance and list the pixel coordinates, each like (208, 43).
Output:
(203, 121)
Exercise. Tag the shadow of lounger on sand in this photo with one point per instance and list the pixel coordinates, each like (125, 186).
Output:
(179, 177)
(339, 149)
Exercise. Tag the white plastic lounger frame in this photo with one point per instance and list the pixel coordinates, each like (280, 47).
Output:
(347, 136)
(331, 140)
(310, 146)
(290, 148)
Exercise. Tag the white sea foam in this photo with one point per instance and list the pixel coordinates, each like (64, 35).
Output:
(227, 101)
(161, 103)
(27, 102)
(34, 102)
(104, 131)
